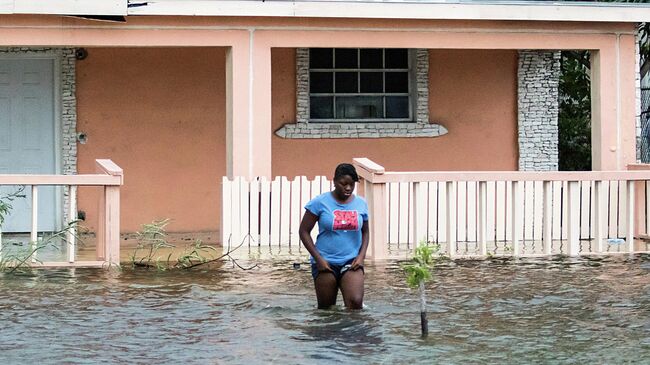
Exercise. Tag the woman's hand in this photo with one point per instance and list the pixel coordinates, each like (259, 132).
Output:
(323, 266)
(357, 262)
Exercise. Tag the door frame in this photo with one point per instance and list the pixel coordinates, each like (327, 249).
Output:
(55, 56)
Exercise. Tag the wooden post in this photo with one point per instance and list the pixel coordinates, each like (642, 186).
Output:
(72, 216)
(112, 224)
(419, 223)
(629, 239)
(108, 228)
(599, 215)
(516, 218)
(33, 238)
(573, 221)
(100, 247)
(377, 206)
(451, 218)
(482, 217)
(547, 218)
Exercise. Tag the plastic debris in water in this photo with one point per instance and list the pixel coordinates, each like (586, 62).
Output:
(615, 241)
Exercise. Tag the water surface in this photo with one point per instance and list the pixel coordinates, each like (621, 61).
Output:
(554, 311)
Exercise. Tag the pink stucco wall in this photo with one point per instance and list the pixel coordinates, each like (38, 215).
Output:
(473, 93)
(159, 113)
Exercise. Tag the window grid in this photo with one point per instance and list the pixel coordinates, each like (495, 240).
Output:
(358, 72)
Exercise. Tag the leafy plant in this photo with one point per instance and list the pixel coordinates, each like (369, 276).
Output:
(6, 200)
(18, 257)
(418, 272)
(153, 237)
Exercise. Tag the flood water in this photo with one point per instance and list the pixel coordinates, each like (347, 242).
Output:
(552, 311)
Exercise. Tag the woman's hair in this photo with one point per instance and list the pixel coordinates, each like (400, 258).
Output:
(345, 169)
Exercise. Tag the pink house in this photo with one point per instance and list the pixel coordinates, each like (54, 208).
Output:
(181, 93)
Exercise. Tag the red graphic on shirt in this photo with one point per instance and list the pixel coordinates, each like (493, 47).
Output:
(345, 220)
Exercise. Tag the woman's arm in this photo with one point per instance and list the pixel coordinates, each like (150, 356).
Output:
(365, 238)
(306, 225)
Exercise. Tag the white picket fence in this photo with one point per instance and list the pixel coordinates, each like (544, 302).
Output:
(499, 210)
(268, 213)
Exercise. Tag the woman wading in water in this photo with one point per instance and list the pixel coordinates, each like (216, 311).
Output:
(340, 249)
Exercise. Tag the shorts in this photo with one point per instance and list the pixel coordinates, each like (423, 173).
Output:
(338, 270)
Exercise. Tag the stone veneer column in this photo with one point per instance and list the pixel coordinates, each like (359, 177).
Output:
(67, 106)
(538, 104)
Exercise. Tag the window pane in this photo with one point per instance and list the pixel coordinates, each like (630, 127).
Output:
(321, 107)
(320, 58)
(372, 82)
(397, 82)
(346, 58)
(371, 58)
(397, 107)
(356, 107)
(346, 82)
(321, 82)
(397, 58)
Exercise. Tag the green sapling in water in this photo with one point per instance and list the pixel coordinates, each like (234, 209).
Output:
(418, 272)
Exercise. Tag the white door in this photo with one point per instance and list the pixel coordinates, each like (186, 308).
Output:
(27, 136)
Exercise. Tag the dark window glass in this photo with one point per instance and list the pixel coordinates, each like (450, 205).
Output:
(358, 107)
(321, 107)
(346, 82)
(372, 82)
(397, 107)
(320, 58)
(346, 58)
(321, 82)
(371, 58)
(397, 58)
(397, 82)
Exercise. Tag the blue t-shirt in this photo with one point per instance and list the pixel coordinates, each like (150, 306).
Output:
(339, 227)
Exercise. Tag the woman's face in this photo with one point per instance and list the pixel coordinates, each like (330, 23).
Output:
(343, 187)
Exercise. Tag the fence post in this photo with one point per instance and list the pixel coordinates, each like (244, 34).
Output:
(547, 218)
(629, 231)
(108, 235)
(450, 211)
(375, 194)
(573, 221)
(482, 217)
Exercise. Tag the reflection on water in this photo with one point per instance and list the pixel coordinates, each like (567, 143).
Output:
(504, 311)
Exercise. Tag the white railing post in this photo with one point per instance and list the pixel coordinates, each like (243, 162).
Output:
(72, 215)
(516, 218)
(629, 239)
(419, 214)
(573, 218)
(547, 218)
(482, 217)
(599, 215)
(451, 218)
(33, 238)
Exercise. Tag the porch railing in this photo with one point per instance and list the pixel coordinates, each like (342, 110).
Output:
(109, 178)
(267, 213)
(505, 212)
(467, 213)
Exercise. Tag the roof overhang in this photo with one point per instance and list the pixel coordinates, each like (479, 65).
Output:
(387, 9)
(396, 9)
(64, 7)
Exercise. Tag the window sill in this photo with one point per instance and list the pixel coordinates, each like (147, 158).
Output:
(359, 130)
